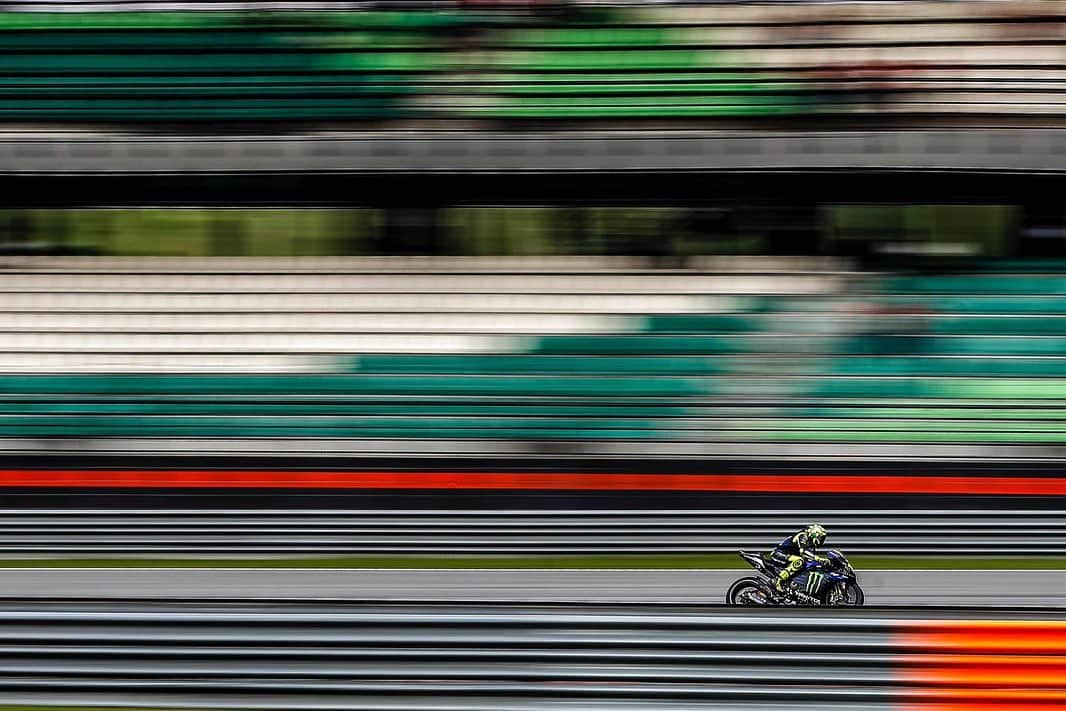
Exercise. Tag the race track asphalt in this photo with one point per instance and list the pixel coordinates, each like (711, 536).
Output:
(957, 587)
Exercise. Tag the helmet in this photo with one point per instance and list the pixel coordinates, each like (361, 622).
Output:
(816, 534)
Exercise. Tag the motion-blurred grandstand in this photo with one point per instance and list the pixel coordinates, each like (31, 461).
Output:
(565, 64)
(687, 239)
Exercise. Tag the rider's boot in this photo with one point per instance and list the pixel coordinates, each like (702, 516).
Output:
(783, 594)
(783, 583)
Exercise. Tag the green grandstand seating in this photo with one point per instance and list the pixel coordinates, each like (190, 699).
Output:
(904, 425)
(1018, 266)
(217, 66)
(150, 66)
(979, 360)
(920, 435)
(344, 405)
(656, 83)
(999, 325)
(629, 71)
(944, 410)
(211, 40)
(985, 305)
(935, 388)
(177, 110)
(947, 366)
(393, 406)
(977, 372)
(699, 323)
(215, 63)
(347, 384)
(294, 85)
(1006, 345)
(642, 107)
(979, 284)
(333, 426)
(591, 37)
(563, 60)
(155, 20)
(960, 345)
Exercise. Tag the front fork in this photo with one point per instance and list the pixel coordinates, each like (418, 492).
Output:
(838, 594)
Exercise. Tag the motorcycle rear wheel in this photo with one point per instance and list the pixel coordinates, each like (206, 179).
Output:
(748, 592)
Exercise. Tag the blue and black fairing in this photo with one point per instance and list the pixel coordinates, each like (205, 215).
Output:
(836, 557)
(756, 560)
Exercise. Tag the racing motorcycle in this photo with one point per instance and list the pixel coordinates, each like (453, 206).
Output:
(832, 583)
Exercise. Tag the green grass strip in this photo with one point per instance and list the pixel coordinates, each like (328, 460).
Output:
(693, 561)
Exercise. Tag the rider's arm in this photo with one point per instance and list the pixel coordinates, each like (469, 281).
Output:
(808, 551)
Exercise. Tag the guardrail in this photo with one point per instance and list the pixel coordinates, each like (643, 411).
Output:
(513, 658)
(333, 532)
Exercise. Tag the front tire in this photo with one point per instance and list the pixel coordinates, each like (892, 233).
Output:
(853, 596)
(748, 592)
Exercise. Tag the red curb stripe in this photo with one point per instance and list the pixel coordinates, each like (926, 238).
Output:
(1052, 704)
(977, 706)
(989, 665)
(562, 481)
(987, 637)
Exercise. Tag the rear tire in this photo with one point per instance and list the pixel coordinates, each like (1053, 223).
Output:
(748, 592)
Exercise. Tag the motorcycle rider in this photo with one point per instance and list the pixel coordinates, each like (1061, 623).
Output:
(794, 551)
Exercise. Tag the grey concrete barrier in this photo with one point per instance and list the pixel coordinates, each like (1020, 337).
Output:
(510, 658)
(491, 152)
(141, 532)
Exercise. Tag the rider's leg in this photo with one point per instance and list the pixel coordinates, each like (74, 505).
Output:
(795, 564)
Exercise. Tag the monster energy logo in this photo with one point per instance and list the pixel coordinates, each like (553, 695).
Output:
(814, 581)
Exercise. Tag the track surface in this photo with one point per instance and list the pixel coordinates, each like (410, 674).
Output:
(960, 587)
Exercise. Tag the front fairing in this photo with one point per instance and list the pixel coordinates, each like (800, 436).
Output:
(838, 568)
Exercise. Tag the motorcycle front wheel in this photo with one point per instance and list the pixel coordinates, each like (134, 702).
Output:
(747, 592)
(853, 596)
